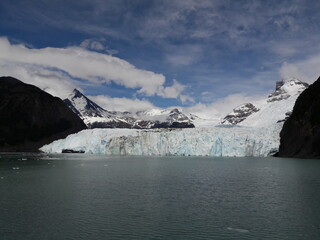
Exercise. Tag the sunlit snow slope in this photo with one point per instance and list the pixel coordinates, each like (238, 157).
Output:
(275, 108)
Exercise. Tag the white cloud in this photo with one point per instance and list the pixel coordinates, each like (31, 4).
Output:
(172, 91)
(91, 66)
(121, 104)
(223, 106)
(206, 111)
(227, 104)
(93, 45)
(97, 45)
(186, 98)
(306, 70)
(56, 83)
(290, 70)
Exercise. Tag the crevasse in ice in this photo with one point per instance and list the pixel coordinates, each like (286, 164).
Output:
(214, 141)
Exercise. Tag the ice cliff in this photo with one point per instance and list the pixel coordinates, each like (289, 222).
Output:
(215, 141)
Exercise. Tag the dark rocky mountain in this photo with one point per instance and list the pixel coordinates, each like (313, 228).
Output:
(240, 113)
(80, 104)
(300, 135)
(31, 117)
(95, 116)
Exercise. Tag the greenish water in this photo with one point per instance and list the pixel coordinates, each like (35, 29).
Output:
(97, 197)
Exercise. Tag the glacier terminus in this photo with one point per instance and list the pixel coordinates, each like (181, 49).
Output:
(215, 141)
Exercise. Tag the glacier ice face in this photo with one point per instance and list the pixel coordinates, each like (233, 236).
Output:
(89, 140)
(215, 141)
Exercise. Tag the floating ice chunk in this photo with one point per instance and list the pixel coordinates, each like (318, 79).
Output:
(238, 230)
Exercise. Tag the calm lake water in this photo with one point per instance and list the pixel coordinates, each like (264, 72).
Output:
(97, 197)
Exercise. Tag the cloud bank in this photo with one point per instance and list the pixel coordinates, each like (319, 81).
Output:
(121, 104)
(79, 63)
(306, 70)
(57, 83)
(223, 106)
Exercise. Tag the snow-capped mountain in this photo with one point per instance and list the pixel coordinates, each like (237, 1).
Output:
(275, 108)
(286, 89)
(166, 117)
(240, 113)
(95, 116)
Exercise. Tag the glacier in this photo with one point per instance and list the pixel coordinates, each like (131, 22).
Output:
(255, 135)
(210, 141)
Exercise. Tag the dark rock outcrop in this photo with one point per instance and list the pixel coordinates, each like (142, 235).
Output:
(30, 117)
(72, 151)
(300, 135)
(173, 125)
(240, 113)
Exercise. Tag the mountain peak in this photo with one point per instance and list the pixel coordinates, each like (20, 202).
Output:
(292, 82)
(78, 102)
(287, 88)
(175, 110)
(75, 94)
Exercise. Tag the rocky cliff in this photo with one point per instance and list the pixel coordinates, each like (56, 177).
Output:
(300, 136)
(30, 117)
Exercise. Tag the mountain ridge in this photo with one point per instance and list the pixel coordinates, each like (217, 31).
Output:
(95, 116)
(275, 108)
(300, 135)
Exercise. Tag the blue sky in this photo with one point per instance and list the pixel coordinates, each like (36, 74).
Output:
(206, 56)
